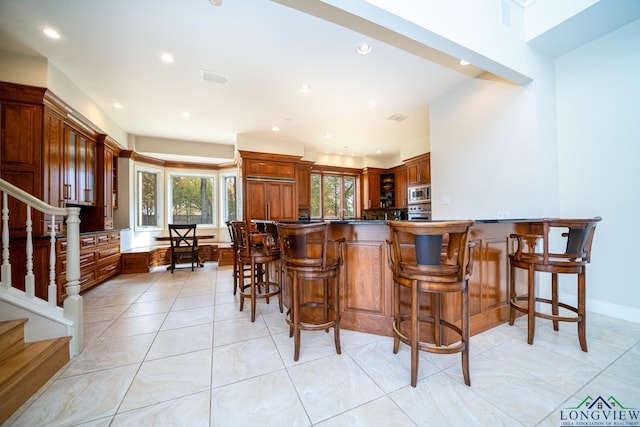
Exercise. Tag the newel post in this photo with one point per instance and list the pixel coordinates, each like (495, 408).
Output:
(73, 305)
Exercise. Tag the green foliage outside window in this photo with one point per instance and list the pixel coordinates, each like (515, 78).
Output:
(192, 199)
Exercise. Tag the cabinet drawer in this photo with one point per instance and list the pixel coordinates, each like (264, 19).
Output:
(87, 242)
(102, 239)
(107, 252)
(108, 270)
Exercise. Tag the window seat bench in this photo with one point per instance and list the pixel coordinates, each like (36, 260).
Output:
(144, 258)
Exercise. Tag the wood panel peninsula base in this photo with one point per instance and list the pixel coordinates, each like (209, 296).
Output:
(366, 293)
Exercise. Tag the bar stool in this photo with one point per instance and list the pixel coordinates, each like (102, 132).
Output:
(573, 237)
(304, 249)
(238, 275)
(256, 250)
(431, 257)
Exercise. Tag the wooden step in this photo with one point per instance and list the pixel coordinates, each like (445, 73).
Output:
(26, 367)
(11, 333)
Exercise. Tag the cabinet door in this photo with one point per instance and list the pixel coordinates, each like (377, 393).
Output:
(69, 175)
(419, 172)
(86, 170)
(256, 200)
(281, 201)
(373, 193)
(303, 186)
(108, 189)
(401, 188)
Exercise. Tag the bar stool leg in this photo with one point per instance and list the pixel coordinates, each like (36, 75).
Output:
(554, 299)
(415, 332)
(253, 292)
(396, 315)
(512, 294)
(531, 299)
(582, 312)
(436, 302)
(296, 319)
(336, 309)
(464, 323)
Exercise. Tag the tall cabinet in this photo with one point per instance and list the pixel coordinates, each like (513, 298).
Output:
(269, 186)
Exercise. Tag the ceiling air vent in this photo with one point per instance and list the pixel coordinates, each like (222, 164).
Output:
(397, 117)
(214, 77)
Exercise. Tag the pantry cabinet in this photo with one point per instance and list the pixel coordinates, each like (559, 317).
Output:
(79, 168)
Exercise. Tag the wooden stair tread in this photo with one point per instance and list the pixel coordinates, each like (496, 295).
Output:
(11, 336)
(27, 369)
(27, 358)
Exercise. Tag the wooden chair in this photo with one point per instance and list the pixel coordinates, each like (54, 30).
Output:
(573, 237)
(306, 257)
(256, 251)
(184, 244)
(431, 258)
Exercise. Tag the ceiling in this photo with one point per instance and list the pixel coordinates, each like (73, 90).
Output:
(112, 51)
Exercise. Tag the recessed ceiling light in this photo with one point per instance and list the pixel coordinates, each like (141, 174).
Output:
(379, 151)
(463, 62)
(304, 88)
(50, 32)
(186, 115)
(275, 129)
(215, 2)
(372, 103)
(364, 48)
(118, 106)
(166, 57)
(327, 135)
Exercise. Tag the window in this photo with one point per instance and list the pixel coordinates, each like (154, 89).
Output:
(148, 203)
(192, 199)
(332, 195)
(229, 197)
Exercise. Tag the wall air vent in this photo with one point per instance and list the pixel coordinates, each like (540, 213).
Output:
(213, 77)
(397, 117)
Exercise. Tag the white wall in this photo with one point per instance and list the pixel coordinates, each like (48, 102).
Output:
(486, 156)
(598, 93)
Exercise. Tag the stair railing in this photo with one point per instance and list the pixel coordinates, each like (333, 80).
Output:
(71, 312)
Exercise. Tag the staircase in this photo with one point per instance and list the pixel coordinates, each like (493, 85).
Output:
(25, 367)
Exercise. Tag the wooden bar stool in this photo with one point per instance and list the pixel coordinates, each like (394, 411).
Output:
(239, 276)
(573, 237)
(258, 251)
(304, 249)
(434, 258)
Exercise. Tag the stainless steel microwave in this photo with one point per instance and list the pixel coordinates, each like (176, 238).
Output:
(419, 194)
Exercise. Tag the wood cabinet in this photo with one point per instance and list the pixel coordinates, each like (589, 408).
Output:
(371, 191)
(79, 168)
(99, 260)
(270, 200)
(419, 170)
(401, 187)
(269, 186)
(303, 185)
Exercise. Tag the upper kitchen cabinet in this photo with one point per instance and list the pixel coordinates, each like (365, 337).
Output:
(419, 170)
(401, 186)
(303, 185)
(371, 193)
(79, 168)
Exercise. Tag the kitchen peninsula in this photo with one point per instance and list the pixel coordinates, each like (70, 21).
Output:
(366, 280)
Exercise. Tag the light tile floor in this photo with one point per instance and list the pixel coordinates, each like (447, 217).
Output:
(174, 350)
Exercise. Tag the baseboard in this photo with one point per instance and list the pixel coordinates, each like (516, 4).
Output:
(606, 308)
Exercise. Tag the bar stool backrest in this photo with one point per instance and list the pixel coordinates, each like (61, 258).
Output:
(430, 248)
(304, 245)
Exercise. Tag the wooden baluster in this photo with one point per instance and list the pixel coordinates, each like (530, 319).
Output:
(29, 279)
(52, 290)
(6, 266)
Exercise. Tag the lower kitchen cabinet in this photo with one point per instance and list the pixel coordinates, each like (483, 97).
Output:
(99, 260)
